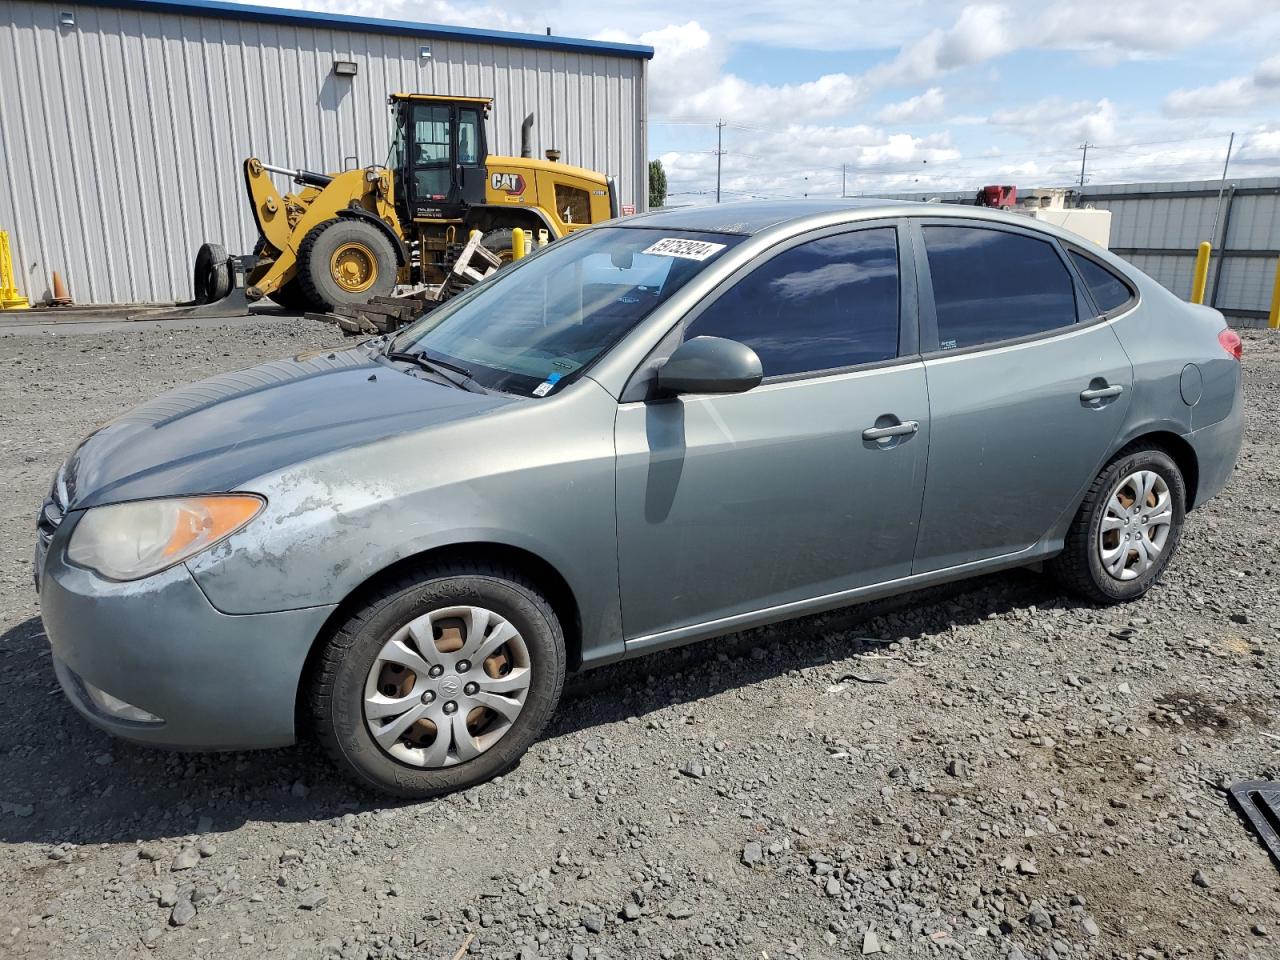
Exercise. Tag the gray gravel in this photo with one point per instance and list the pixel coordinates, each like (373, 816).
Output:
(989, 770)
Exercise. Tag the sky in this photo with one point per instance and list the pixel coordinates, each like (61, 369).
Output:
(927, 95)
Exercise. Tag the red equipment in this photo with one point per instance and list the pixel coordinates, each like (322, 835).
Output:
(999, 197)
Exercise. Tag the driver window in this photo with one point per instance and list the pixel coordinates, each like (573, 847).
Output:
(822, 305)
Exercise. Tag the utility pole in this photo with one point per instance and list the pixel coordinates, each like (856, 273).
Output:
(1084, 156)
(1213, 233)
(843, 191)
(719, 154)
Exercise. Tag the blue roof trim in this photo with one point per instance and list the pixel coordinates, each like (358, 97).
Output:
(435, 31)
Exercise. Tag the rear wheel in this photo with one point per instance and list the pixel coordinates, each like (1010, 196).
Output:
(346, 262)
(1127, 528)
(440, 681)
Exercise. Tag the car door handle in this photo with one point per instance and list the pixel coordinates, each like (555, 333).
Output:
(897, 430)
(1101, 393)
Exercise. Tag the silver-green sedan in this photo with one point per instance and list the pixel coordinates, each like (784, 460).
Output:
(656, 431)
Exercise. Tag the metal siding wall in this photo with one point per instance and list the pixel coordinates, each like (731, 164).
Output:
(1181, 223)
(122, 137)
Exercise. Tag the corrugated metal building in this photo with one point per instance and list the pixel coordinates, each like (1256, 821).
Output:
(1159, 226)
(123, 123)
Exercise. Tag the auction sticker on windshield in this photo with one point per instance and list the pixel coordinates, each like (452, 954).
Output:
(685, 249)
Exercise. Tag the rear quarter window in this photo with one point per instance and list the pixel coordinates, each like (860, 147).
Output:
(1108, 290)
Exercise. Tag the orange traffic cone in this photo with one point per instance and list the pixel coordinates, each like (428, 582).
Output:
(61, 298)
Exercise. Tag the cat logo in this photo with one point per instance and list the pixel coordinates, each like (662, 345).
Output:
(507, 182)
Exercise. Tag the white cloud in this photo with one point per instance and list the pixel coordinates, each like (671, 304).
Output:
(687, 81)
(922, 108)
(1232, 96)
(1139, 29)
(981, 32)
(1055, 121)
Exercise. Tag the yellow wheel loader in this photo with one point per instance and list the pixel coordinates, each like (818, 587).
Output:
(343, 239)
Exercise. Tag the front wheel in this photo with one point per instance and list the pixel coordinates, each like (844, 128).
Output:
(346, 262)
(439, 682)
(1127, 528)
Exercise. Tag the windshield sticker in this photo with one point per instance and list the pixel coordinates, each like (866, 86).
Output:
(685, 249)
(542, 389)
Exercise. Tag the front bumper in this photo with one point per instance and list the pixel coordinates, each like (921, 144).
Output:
(217, 682)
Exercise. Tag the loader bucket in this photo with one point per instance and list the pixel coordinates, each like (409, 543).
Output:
(219, 287)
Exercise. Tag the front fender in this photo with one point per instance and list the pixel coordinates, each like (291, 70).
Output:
(537, 476)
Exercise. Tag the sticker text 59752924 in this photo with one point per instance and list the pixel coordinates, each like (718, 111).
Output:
(685, 249)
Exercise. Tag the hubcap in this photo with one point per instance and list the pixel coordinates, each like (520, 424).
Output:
(354, 266)
(1135, 526)
(447, 686)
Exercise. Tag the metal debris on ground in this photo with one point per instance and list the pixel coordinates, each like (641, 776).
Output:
(1259, 802)
(860, 678)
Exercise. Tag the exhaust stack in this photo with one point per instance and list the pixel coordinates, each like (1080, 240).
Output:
(526, 133)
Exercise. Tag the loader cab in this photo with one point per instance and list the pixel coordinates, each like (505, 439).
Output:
(439, 154)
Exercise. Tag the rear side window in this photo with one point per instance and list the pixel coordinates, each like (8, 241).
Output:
(1108, 290)
(990, 285)
(822, 305)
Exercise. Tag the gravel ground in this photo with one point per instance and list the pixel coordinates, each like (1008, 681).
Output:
(989, 770)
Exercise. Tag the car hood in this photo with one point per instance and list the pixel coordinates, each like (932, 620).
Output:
(217, 434)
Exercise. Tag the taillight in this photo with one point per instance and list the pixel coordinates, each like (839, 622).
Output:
(1231, 342)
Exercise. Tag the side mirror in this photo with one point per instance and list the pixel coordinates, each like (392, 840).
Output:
(710, 365)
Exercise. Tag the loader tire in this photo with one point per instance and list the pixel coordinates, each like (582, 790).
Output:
(500, 242)
(346, 263)
(291, 296)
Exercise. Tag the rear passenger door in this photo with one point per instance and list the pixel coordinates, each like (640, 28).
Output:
(807, 485)
(1027, 389)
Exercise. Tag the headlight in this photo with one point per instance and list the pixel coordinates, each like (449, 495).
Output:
(127, 541)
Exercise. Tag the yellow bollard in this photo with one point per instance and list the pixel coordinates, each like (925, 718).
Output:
(10, 298)
(1273, 321)
(519, 244)
(1201, 275)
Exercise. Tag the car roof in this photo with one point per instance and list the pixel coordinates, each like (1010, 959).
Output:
(752, 216)
(748, 217)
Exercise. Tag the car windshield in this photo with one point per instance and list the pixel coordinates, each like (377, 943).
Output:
(536, 326)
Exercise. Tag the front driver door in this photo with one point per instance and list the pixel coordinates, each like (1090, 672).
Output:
(731, 504)
(470, 154)
(430, 161)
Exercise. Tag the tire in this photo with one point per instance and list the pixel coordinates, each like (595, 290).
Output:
(211, 276)
(353, 668)
(500, 242)
(369, 252)
(1082, 566)
(291, 296)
